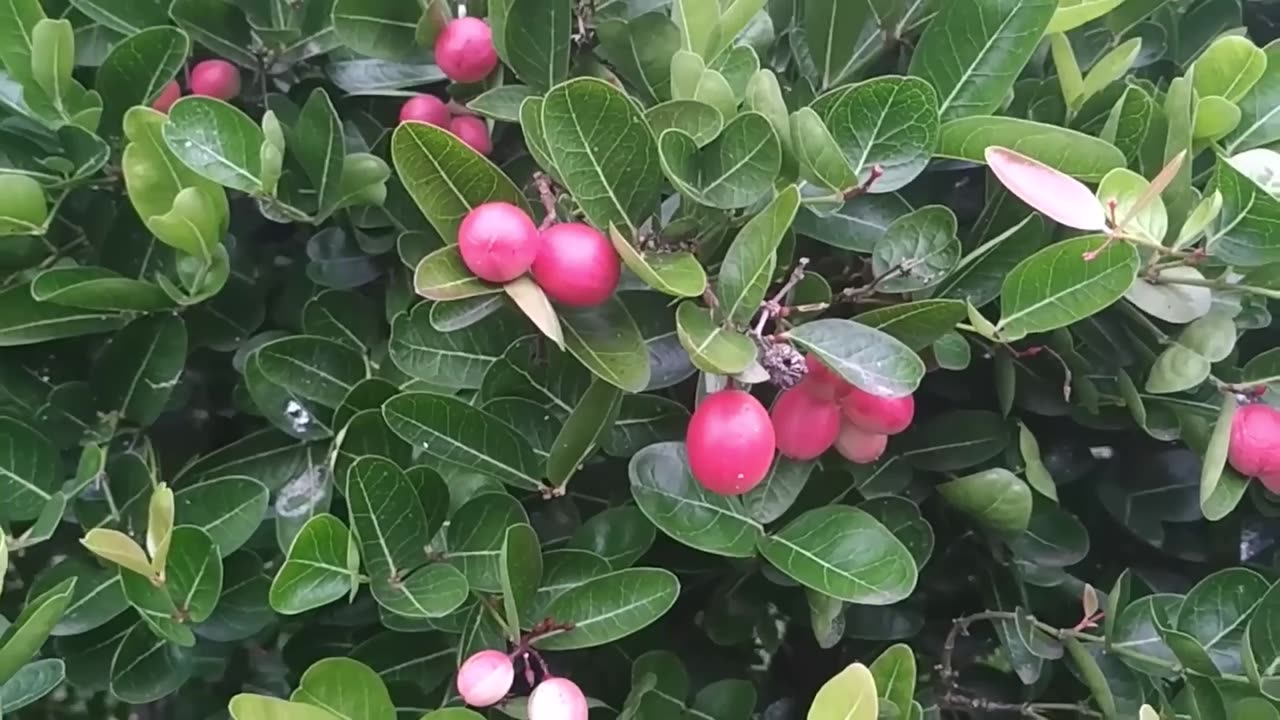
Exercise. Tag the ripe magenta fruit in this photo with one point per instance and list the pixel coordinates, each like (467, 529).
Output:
(805, 426)
(557, 699)
(498, 242)
(473, 131)
(465, 51)
(730, 442)
(860, 446)
(485, 678)
(877, 414)
(1255, 444)
(576, 265)
(821, 382)
(169, 95)
(425, 108)
(215, 78)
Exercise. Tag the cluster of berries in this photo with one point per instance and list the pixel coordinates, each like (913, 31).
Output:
(211, 78)
(486, 678)
(465, 53)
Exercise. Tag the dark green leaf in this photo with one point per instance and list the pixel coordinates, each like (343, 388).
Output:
(917, 251)
(28, 470)
(1065, 150)
(536, 40)
(732, 171)
(154, 56)
(380, 28)
(955, 440)
(228, 508)
(870, 359)
(748, 266)
(611, 607)
(139, 367)
(1064, 283)
(315, 570)
(890, 123)
(606, 340)
(476, 535)
(997, 499)
(217, 141)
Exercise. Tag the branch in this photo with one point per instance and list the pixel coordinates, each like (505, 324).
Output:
(546, 193)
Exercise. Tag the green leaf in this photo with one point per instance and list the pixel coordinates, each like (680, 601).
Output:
(591, 419)
(955, 440)
(711, 347)
(845, 553)
(97, 599)
(502, 103)
(1071, 14)
(779, 490)
(218, 26)
(981, 273)
(314, 368)
(31, 683)
(843, 35)
(229, 508)
(1064, 283)
(193, 573)
(607, 341)
(640, 49)
(822, 162)
(451, 359)
(537, 34)
(1081, 156)
(53, 58)
(894, 671)
(315, 570)
(620, 536)
(24, 638)
(346, 688)
(382, 29)
(642, 421)
(973, 51)
(679, 506)
(94, 288)
(246, 706)
(850, 695)
(154, 55)
(476, 535)
(28, 470)
(674, 273)
(318, 146)
(917, 324)
(603, 152)
(217, 141)
(1242, 234)
(997, 499)
(520, 567)
(1038, 476)
(858, 225)
(699, 24)
(917, 251)
(146, 667)
(23, 207)
(1216, 612)
(733, 171)
(870, 359)
(26, 321)
(1259, 109)
(139, 367)
(117, 547)
(1228, 69)
(748, 266)
(698, 120)
(18, 20)
(610, 607)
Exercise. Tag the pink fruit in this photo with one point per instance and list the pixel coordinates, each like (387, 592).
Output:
(730, 442)
(557, 699)
(169, 95)
(860, 446)
(576, 265)
(821, 382)
(498, 242)
(805, 426)
(465, 51)
(215, 78)
(473, 131)
(878, 414)
(485, 678)
(425, 108)
(1255, 444)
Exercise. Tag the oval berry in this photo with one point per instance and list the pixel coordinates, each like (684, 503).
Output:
(1255, 444)
(860, 446)
(473, 132)
(877, 414)
(822, 382)
(427, 109)
(215, 78)
(576, 265)
(169, 95)
(498, 242)
(804, 426)
(557, 699)
(730, 442)
(465, 51)
(485, 678)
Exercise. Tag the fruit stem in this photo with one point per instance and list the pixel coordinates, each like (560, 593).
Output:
(773, 308)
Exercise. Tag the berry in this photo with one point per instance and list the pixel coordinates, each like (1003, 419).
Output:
(805, 426)
(498, 242)
(878, 414)
(557, 699)
(425, 108)
(215, 78)
(1255, 444)
(821, 382)
(485, 678)
(465, 51)
(730, 442)
(169, 95)
(474, 132)
(860, 446)
(576, 265)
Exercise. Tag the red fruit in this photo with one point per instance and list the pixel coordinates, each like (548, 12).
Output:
(474, 132)
(821, 382)
(878, 414)
(576, 265)
(169, 95)
(498, 242)
(557, 699)
(215, 78)
(805, 426)
(1255, 444)
(425, 108)
(730, 442)
(485, 678)
(465, 51)
(860, 446)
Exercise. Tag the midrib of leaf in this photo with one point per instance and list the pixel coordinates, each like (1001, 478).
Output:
(595, 165)
(982, 54)
(5, 472)
(466, 449)
(222, 160)
(457, 194)
(195, 585)
(377, 529)
(142, 367)
(736, 167)
(828, 567)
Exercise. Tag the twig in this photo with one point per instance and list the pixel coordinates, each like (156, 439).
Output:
(877, 171)
(957, 701)
(1217, 284)
(772, 307)
(547, 193)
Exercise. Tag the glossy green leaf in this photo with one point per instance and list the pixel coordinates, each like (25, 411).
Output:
(955, 440)
(674, 273)
(246, 706)
(711, 347)
(610, 607)
(476, 535)
(520, 569)
(28, 470)
(536, 40)
(315, 570)
(917, 251)
(1076, 154)
(25, 321)
(640, 49)
(346, 688)
(733, 171)
(997, 499)
(450, 359)
(154, 55)
(748, 266)
(193, 573)
(1229, 68)
(843, 35)
(917, 324)
(1241, 234)
(1064, 283)
(606, 340)
(697, 120)
(894, 671)
(871, 359)
(217, 141)
(382, 29)
(28, 632)
(146, 667)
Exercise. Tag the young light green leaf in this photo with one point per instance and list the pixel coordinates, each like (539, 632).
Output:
(850, 695)
(997, 499)
(217, 141)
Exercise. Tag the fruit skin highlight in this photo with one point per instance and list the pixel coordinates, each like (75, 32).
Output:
(473, 132)
(804, 425)
(498, 242)
(876, 414)
(730, 442)
(169, 95)
(1255, 444)
(576, 265)
(485, 678)
(860, 446)
(215, 78)
(425, 108)
(557, 699)
(464, 50)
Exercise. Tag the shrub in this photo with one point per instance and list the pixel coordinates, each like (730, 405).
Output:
(270, 450)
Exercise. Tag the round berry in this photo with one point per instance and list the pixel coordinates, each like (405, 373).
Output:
(498, 242)
(860, 446)
(485, 678)
(576, 265)
(428, 109)
(805, 426)
(821, 382)
(473, 132)
(878, 414)
(465, 51)
(1255, 444)
(215, 78)
(730, 442)
(557, 699)
(169, 95)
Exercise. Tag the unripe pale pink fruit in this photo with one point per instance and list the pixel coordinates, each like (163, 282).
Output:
(498, 242)
(485, 678)
(1255, 444)
(169, 95)
(730, 442)
(876, 414)
(805, 426)
(465, 51)
(576, 265)
(425, 108)
(215, 78)
(858, 445)
(473, 132)
(557, 699)
(821, 382)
